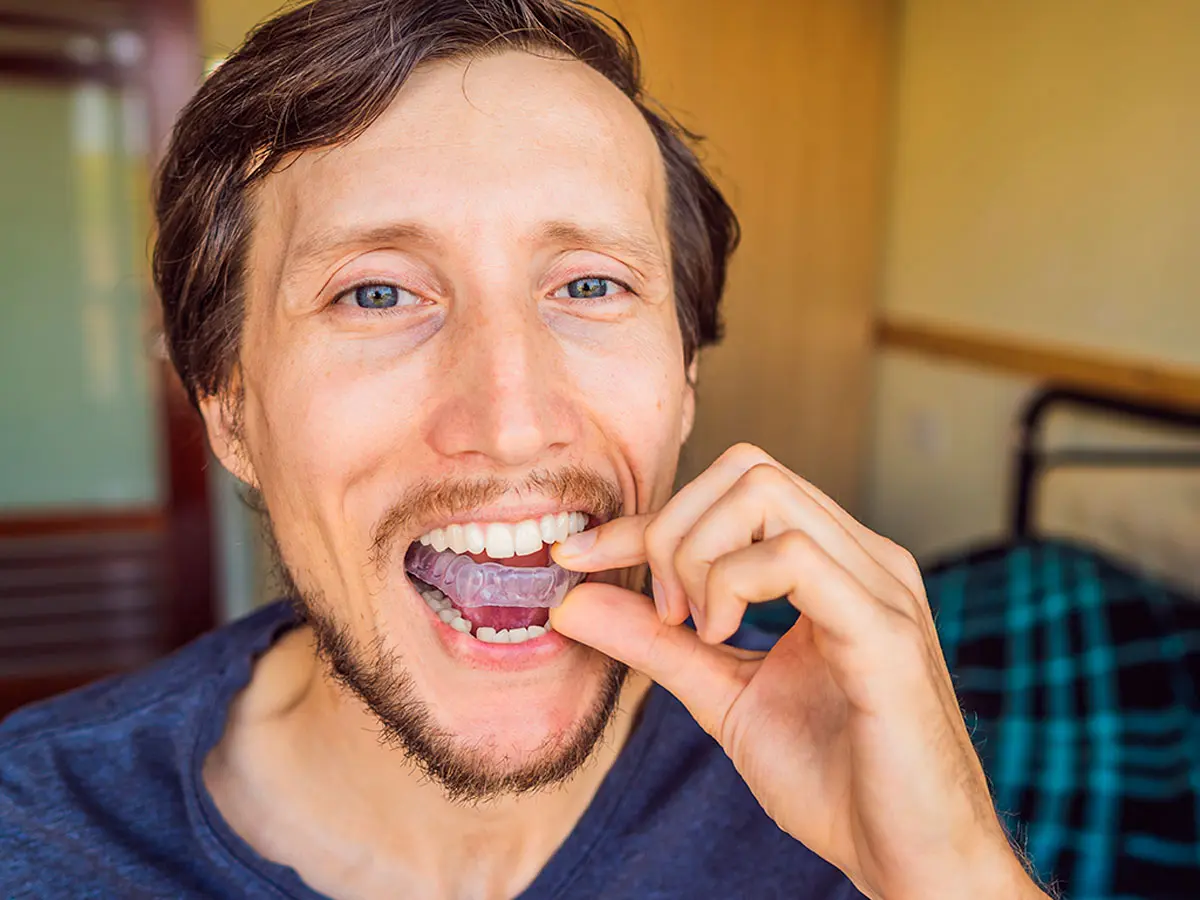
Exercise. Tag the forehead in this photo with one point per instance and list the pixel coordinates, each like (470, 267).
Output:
(509, 141)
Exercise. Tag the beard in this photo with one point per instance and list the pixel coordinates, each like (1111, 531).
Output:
(377, 677)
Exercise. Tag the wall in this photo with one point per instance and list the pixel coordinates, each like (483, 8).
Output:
(224, 23)
(1045, 184)
(78, 415)
(793, 100)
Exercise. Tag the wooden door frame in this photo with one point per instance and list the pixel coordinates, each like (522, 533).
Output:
(173, 70)
(168, 76)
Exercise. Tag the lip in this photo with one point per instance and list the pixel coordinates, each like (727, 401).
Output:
(476, 654)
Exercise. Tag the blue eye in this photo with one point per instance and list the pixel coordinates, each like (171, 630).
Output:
(590, 289)
(380, 295)
(376, 296)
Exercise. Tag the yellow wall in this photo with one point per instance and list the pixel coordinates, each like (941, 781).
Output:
(793, 101)
(224, 23)
(1046, 183)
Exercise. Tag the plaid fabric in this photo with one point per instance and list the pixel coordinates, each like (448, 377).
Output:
(1080, 679)
(1080, 684)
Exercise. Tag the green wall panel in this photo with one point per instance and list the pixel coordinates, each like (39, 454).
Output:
(78, 424)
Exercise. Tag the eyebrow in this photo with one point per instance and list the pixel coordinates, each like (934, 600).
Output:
(329, 241)
(619, 241)
(640, 249)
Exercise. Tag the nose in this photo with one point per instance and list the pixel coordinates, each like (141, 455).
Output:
(502, 393)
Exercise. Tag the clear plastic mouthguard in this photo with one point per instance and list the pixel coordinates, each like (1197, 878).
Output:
(471, 584)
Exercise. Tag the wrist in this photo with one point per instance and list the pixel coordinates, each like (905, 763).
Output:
(1008, 878)
(997, 874)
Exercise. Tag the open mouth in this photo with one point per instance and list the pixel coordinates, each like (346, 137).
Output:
(495, 581)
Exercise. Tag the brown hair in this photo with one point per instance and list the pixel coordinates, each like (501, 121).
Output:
(319, 75)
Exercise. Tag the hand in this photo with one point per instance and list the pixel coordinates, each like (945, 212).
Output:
(848, 731)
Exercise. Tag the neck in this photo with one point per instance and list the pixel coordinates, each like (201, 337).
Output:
(300, 773)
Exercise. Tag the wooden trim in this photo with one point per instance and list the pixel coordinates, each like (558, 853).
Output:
(81, 521)
(174, 68)
(49, 68)
(1124, 376)
(19, 21)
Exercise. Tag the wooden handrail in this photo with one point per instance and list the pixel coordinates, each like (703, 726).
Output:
(35, 523)
(1133, 377)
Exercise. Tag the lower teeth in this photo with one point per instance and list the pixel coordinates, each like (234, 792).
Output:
(445, 611)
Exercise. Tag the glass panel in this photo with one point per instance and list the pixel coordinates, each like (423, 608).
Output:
(77, 411)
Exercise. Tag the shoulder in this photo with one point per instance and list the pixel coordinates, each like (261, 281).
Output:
(103, 773)
(171, 685)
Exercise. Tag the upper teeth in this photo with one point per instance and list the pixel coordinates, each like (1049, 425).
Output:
(500, 540)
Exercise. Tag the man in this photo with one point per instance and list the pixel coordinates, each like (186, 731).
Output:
(435, 276)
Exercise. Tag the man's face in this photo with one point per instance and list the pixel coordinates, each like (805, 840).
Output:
(507, 219)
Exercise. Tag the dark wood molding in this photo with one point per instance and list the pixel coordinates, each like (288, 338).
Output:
(80, 521)
(86, 592)
(60, 69)
(173, 70)
(1069, 366)
(24, 21)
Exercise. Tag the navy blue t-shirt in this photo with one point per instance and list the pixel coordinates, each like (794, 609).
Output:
(101, 796)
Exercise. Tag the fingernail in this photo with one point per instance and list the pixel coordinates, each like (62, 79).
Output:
(660, 598)
(578, 544)
(697, 619)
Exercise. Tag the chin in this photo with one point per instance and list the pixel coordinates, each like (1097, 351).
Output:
(477, 719)
(511, 722)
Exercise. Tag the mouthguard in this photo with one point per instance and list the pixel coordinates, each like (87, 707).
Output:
(472, 584)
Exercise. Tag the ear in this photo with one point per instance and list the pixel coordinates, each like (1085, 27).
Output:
(689, 401)
(222, 421)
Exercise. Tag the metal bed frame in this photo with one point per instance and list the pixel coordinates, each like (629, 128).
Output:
(1033, 461)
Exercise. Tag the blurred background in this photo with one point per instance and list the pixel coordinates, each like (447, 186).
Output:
(967, 306)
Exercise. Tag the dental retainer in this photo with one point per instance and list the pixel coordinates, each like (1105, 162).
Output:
(473, 584)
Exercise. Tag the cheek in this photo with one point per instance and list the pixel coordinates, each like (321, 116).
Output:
(636, 393)
(323, 431)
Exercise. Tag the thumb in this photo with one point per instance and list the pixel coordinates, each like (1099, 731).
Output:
(622, 624)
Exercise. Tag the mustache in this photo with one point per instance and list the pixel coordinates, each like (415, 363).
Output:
(576, 487)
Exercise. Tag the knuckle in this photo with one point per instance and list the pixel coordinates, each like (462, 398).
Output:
(902, 558)
(656, 540)
(681, 558)
(903, 565)
(745, 454)
(720, 579)
(905, 635)
(762, 476)
(794, 546)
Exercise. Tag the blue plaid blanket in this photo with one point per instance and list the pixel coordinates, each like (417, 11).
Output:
(1079, 681)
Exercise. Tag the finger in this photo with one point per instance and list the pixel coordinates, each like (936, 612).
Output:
(676, 519)
(792, 565)
(624, 625)
(763, 503)
(856, 630)
(890, 555)
(654, 539)
(614, 545)
(795, 566)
